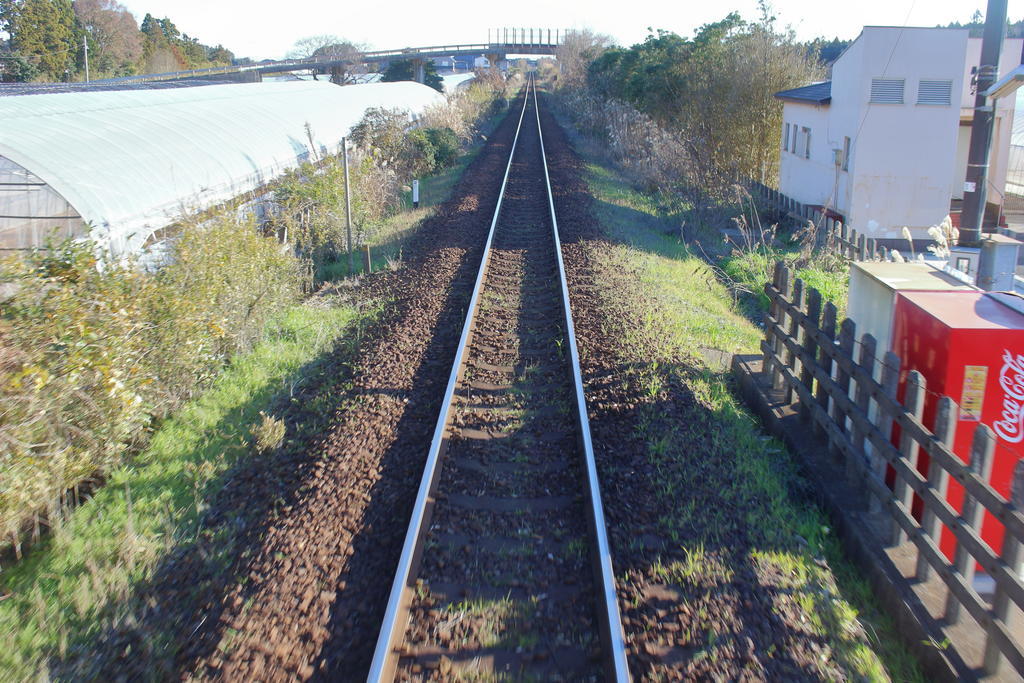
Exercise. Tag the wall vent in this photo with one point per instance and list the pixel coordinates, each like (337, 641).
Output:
(934, 92)
(887, 90)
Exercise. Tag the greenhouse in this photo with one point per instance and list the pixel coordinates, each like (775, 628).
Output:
(120, 165)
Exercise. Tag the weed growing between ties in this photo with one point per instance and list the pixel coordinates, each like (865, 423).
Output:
(717, 520)
(80, 584)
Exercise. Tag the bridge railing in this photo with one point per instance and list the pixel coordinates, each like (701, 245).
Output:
(503, 40)
(532, 37)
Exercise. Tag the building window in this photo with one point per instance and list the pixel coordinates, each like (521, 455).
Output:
(807, 142)
(887, 90)
(792, 141)
(934, 92)
(785, 138)
(846, 153)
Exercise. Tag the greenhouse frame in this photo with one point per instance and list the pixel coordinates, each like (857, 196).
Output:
(119, 165)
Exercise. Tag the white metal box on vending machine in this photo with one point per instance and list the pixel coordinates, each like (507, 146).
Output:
(873, 290)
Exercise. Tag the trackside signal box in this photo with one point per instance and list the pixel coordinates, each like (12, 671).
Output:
(969, 346)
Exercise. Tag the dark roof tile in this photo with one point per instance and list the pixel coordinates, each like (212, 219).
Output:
(816, 93)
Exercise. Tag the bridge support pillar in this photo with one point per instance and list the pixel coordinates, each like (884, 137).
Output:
(494, 59)
(418, 71)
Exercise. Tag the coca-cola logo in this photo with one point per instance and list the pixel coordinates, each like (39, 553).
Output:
(1010, 426)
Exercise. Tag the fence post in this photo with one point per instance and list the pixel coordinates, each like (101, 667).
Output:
(889, 380)
(914, 402)
(1012, 557)
(828, 328)
(862, 400)
(862, 247)
(938, 479)
(847, 334)
(799, 302)
(982, 447)
(768, 364)
(854, 238)
(810, 346)
(780, 348)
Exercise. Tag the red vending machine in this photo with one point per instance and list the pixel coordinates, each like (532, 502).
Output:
(969, 346)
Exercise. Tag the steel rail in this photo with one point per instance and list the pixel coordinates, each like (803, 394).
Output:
(395, 622)
(395, 617)
(610, 618)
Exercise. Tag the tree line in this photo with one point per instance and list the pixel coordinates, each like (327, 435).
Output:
(46, 40)
(714, 91)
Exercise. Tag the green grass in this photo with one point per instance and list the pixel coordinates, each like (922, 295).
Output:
(388, 238)
(750, 270)
(501, 623)
(80, 580)
(692, 303)
(689, 313)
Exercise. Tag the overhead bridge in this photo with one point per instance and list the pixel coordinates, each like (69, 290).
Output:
(501, 42)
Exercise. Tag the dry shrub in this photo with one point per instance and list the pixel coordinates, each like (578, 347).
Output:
(267, 434)
(465, 110)
(653, 156)
(91, 353)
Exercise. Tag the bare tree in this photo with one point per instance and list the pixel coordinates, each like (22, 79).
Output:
(577, 51)
(348, 56)
(114, 34)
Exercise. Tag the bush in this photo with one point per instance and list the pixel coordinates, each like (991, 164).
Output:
(446, 146)
(91, 354)
(419, 153)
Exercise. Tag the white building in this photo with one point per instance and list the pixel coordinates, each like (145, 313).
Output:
(884, 143)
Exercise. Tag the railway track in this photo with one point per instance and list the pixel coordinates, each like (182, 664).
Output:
(506, 570)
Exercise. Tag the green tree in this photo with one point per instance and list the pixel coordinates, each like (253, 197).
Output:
(403, 70)
(14, 68)
(165, 48)
(44, 32)
(715, 90)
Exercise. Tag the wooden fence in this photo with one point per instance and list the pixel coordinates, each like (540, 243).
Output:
(830, 377)
(836, 235)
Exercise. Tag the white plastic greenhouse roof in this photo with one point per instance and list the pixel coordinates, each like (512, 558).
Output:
(132, 161)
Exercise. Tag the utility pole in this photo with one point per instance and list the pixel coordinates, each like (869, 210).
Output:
(85, 46)
(975, 187)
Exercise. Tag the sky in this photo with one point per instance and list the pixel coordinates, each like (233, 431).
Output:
(260, 29)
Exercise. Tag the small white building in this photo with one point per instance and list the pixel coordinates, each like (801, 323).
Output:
(883, 144)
